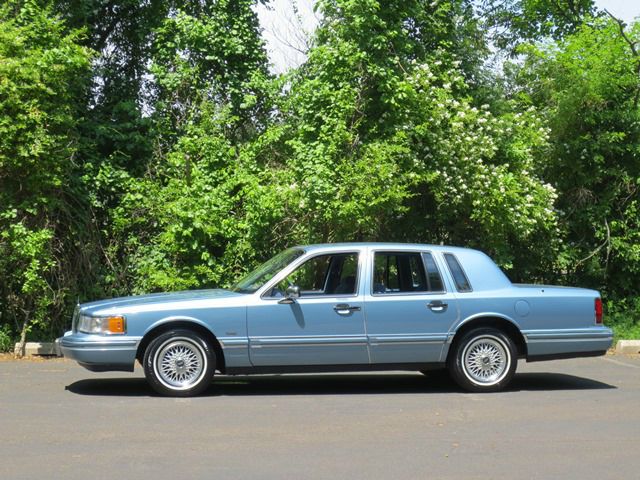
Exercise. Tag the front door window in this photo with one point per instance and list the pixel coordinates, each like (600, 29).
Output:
(323, 275)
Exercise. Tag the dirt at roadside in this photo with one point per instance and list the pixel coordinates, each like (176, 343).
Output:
(9, 357)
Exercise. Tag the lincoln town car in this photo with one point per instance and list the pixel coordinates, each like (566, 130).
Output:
(343, 307)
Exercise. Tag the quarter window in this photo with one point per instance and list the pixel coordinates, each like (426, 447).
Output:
(400, 272)
(459, 277)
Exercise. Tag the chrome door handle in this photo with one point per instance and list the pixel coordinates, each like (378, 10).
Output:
(437, 306)
(345, 309)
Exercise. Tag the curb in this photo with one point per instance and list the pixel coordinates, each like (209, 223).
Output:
(39, 348)
(628, 346)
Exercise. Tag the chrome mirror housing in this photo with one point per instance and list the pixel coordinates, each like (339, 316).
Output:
(291, 293)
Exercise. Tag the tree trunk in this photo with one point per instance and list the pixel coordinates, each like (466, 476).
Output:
(20, 350)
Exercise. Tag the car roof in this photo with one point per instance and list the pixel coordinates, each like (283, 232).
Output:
(481, 271)
(380, 245)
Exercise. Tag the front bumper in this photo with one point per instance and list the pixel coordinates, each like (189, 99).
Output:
(100, 354)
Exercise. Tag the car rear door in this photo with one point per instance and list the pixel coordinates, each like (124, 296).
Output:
(408, 308)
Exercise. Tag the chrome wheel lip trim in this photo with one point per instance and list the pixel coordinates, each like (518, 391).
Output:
(160, 356)
(497, 343)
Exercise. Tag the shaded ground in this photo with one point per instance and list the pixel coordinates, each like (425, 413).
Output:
(567, 419)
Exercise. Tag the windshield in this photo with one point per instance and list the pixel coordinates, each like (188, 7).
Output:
(265, 272)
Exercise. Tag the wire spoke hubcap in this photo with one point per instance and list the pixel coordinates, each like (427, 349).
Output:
(486, 360)
(179, 363)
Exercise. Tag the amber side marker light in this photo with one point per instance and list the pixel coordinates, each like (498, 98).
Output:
(116, 324)
(598, 308)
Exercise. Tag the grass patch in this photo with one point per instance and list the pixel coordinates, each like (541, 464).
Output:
(624, 318)
(626, 331)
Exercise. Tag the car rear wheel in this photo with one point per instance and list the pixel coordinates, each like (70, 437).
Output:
(484, 360)
(179, 363)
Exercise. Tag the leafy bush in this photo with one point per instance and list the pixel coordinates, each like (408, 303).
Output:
(6, 339)
(148, 148)
(624, 318)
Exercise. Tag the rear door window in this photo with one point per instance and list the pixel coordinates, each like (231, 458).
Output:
(404, 272)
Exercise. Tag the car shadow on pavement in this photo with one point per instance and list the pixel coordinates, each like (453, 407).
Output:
(107, 387)
(334, 384)
(547, 381)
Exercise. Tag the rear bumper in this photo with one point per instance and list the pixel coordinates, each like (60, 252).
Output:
(569, 343)
(100, 354)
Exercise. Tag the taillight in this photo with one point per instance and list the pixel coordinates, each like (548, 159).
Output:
(598, 308)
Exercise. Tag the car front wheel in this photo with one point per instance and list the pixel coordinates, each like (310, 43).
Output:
(179, 363)
(484, 360)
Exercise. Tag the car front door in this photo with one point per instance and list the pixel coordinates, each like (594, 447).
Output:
(408, 308)
(323, 326)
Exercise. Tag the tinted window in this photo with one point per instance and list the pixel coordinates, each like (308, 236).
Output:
(323, 275)
(459, 277)
(433, 275)
(395, 272)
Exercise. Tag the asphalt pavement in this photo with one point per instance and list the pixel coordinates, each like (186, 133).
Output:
(568, 419)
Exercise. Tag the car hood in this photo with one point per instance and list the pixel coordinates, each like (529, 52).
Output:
(122, 303)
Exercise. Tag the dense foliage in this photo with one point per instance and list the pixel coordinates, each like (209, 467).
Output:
(43, 72)
(145, 146)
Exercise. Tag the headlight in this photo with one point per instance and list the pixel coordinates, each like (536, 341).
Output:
(111, 325)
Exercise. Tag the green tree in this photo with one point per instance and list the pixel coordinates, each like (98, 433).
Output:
(112, 125)
(381, 140)
(42, 70)
(376, 136)
(513, 22)
(182, 224)
(587, 86)
(144, 145)
(214, 57)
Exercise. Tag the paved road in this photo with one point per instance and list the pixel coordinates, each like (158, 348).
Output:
(570, 419)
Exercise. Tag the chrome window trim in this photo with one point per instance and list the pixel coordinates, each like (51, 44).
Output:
(402, 294)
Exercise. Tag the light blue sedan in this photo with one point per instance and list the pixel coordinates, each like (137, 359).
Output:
(344, 307)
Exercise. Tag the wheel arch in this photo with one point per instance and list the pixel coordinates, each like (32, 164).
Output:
(494, 321)
(187, 324)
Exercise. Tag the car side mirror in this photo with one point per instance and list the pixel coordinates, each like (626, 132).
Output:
(291, 293)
